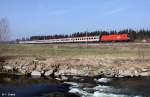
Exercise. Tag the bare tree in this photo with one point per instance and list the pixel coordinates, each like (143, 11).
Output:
(4, 30)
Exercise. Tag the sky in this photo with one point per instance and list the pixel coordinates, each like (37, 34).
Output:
(46, 17)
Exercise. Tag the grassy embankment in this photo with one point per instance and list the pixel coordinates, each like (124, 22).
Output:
(116, 50)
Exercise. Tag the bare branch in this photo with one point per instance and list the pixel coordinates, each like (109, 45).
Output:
(4, 30)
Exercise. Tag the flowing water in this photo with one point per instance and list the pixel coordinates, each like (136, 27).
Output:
(21, 86)
(112, 87)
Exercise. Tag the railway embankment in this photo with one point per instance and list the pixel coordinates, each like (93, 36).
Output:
(59, 61)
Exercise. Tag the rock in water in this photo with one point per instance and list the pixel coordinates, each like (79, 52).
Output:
(64, 78)
(104, 80)
(48, 73)
(8, 68)
(36, 73)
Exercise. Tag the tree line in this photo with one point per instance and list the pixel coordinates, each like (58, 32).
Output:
(133, 34)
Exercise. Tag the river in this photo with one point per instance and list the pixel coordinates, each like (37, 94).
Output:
(22, 86)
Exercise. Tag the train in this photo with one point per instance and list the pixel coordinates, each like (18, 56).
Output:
(100, 38)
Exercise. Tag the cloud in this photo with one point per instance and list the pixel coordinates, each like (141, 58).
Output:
(116, 11)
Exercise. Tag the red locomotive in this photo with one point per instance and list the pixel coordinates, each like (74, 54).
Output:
(115, 37)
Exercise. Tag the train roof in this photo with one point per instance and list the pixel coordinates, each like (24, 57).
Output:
(75, 37)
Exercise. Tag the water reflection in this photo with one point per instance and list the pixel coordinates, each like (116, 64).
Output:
(21, 86)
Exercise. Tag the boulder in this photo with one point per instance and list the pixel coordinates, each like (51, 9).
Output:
(57, 78)
(23, 72)
(7, 68)
(48, 73)
(104, 80)
(145, 74)
(36, 73)
(64, 77)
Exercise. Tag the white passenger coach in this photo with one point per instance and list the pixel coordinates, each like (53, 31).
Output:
(65, 40)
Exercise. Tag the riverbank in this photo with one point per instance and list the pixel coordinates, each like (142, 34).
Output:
(61, 60)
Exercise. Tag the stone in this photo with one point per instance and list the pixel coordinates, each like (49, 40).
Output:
(64, 77)
(48, 73)
(24, 67)
(7, 68)
(104, 80)
(56, 74)
(35, 73)
(145, 74)
(57, 78)
(23, 72)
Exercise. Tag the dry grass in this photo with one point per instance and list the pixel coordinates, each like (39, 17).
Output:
(116, 50)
